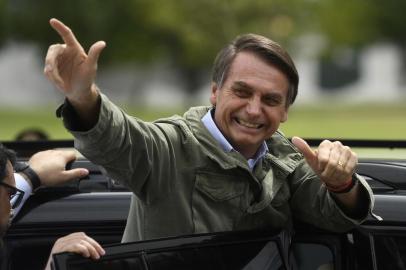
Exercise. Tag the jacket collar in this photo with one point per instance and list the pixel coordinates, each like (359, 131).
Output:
(281, 151)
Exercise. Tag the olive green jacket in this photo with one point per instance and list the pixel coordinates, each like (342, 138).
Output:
(184, 182)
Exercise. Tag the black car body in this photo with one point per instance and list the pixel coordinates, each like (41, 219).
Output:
(99, 206)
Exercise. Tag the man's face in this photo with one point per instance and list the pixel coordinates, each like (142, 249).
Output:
(251, 103)
(5, 206)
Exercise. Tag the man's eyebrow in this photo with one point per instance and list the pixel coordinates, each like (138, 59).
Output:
(245, 85)
(241, 84)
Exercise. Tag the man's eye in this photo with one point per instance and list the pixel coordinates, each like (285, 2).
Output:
(241, 93)
(272, 101)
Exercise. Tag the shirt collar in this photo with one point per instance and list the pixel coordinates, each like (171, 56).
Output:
(211, 126)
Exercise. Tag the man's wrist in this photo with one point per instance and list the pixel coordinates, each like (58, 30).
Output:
(29, 174)
(344, 188)
(87, 109)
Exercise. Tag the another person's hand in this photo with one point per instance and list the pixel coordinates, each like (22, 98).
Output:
(333, 162)
(50, 166)
(70, 68)
(78, 243)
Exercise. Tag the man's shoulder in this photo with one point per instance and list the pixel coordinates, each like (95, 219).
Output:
(196, 113)
(193, 114)
(190, 120)
(188, 124)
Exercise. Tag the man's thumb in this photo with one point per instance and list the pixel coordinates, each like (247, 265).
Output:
(305, 149)
(95, 51)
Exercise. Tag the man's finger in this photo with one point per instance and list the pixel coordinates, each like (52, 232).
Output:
(95, 51)
(69, 155)
(79, 248)
(305, 149)
(50, 69)
(96, 245)
(75, 174)
(65, 32)
(90, 249)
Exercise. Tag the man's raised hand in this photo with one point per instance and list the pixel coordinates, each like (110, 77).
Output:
(70, 68)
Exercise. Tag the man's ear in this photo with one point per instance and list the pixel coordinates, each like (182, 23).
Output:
(284, 117)
(213, 95)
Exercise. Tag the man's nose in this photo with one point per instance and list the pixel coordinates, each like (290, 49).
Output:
(254, 106)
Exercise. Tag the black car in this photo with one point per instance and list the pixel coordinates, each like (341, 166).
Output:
(98, 205)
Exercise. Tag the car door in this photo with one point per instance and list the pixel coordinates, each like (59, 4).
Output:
(99, 207)
(96, 205)
(227, 250)
(382, 244)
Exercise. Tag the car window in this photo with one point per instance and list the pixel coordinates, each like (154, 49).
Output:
(255, 255)
(380, 249)
(135, 262)
(311, 256)
(250, 253)
(390, 252)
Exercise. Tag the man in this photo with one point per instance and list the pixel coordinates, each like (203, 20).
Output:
(219, 168)
(49, 168)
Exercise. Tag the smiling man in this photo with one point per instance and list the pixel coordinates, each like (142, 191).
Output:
(217, 168)
(251, 103)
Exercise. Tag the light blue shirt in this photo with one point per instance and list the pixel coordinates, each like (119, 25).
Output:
(23, 185)
(211, 126)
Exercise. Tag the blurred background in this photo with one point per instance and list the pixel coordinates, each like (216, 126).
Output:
(350, 55)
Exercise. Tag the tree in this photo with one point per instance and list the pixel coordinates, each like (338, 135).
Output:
(190, 33)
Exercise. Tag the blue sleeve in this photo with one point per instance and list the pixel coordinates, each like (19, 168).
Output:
(22, 184)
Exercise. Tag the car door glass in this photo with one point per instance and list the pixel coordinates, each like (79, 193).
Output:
(129, 263)
(247, 256)
(380, 251)
(390, 252)
(311, 256)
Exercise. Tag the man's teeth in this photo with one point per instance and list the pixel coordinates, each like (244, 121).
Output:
(248, 124)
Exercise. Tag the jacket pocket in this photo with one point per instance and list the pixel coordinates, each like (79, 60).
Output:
(217, 187)
(217, 202)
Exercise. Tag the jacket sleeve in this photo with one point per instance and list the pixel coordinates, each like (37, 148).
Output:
(139, 154)
(312, 203)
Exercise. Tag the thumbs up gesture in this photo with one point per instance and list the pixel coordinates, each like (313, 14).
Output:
(333, 162)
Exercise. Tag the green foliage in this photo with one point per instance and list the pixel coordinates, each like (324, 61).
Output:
(389, 20)
(345, 22)
(357, 23)
(189, 33)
